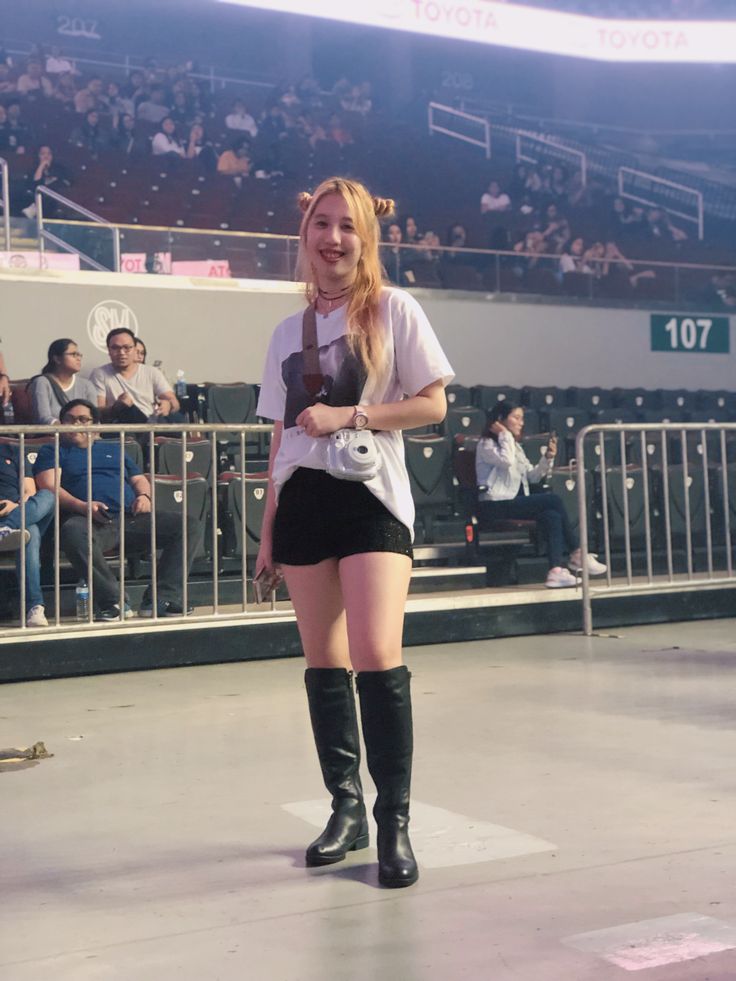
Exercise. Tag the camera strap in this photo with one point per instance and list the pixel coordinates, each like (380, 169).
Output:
(312, 373)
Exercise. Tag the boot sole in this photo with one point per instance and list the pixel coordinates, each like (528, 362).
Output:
(397, 883)
(319, 860)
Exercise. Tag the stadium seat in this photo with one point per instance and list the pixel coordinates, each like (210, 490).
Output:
(467, 419)
(428, 465)
(169, 457)
(486, 396)
(236, 404)
(254, 489)
(458, 395)
(169, 493)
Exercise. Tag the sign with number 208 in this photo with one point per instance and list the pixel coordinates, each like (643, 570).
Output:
(690, 335)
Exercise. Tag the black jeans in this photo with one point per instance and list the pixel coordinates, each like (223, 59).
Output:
(170, 567)
(546, 509)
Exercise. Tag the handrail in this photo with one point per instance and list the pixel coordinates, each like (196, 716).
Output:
(5, 200)
(43, 234)
(403, 246)
(484, 144)
(690, 580)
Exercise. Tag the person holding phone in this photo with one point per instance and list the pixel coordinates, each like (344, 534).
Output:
(344, 545)
(107, 461)
(504, 473)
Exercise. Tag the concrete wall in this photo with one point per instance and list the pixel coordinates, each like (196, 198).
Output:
(218, 331)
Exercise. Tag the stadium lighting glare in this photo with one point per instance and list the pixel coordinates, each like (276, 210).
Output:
(530, 28)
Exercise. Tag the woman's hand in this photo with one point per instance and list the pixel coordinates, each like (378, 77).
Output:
(321, 420)
(497, 428)
(265, 564)
(552, 448)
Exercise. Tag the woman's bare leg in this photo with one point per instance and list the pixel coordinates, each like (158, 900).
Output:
(320, 613)
(374, 590)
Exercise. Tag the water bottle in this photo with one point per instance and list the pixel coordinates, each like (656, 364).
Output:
(9, 414)
(180, 389)
(82, 592)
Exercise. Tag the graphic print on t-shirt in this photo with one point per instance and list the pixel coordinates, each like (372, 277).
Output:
(343, 373)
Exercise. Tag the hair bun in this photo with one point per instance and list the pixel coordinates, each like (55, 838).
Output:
(304, 200)
(384, 207)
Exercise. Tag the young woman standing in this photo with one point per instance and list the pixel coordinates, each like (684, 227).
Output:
(344, 545)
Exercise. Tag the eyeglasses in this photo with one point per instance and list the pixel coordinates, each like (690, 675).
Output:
(73, 354)
(121, 347)
(78, 420)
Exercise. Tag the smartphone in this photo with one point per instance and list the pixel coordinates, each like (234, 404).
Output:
(265, 585)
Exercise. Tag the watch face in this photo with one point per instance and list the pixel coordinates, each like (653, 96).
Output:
(360, 420)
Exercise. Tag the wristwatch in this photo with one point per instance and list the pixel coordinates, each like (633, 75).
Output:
(360, 419)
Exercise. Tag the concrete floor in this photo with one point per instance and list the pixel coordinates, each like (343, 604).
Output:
(574, 820)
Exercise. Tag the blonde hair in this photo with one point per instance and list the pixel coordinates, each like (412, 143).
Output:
(364, 326)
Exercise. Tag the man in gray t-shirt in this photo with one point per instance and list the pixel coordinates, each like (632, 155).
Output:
(125, 385)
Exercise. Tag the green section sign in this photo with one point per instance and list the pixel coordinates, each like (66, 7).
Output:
(690, 335)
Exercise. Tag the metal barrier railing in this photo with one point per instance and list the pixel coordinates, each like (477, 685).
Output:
(662, 497)
(207, 445)
(44, 234)
(454, 123)
(5, 201)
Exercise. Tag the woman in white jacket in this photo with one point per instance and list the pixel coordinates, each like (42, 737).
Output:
(503, 473)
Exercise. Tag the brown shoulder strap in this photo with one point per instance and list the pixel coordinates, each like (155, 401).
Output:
(312, 374)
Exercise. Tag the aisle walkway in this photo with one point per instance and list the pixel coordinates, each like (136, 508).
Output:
(574, 820)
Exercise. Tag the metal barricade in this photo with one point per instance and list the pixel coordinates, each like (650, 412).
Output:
(664, 507)
(221, 449)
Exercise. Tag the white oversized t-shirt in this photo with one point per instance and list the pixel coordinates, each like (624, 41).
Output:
(414, 359)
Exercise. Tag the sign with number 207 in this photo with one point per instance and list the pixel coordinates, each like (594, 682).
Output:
(690, 335)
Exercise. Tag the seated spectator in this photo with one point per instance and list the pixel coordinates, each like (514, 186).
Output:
(240, 119)
(494, 199)
(90, 135)
(90, 97)
(559, 183)
(128, 391)
(141, 353)
(457, 238)
(339, 131)
(616, 265)
(575, 259)
(39, 512)
(57, 64)
(392, 256)
(411, 231)
(181, 110)
(661, 227)
(107, 508)
(33, 82)
(65, 90)
(526, 206)
(556, 230)
(135, 88)
(59, 382)
(503, 473)
(166, 143)
(154, 108)
(534, 245)
(5, 390)
(116, 105)
(235, 162)
(47, 173)
(16, 135)
(8, 85)
(126, 139)
(201, 149)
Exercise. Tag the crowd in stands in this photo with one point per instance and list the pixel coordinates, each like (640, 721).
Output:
(66, 130)
(167, 113)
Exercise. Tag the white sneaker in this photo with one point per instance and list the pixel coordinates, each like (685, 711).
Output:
(595, 568)
(559, 579)
(11, 538)
(36, 617)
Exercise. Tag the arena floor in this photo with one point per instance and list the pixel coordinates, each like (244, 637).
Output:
(573, 819)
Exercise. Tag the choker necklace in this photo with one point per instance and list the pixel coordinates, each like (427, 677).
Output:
(332, 298)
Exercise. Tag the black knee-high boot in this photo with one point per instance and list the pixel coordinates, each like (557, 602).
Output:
(385, 711)
(335, 727)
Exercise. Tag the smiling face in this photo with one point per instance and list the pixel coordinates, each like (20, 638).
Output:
(122, 351)
(332, 244)
(78, 415)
